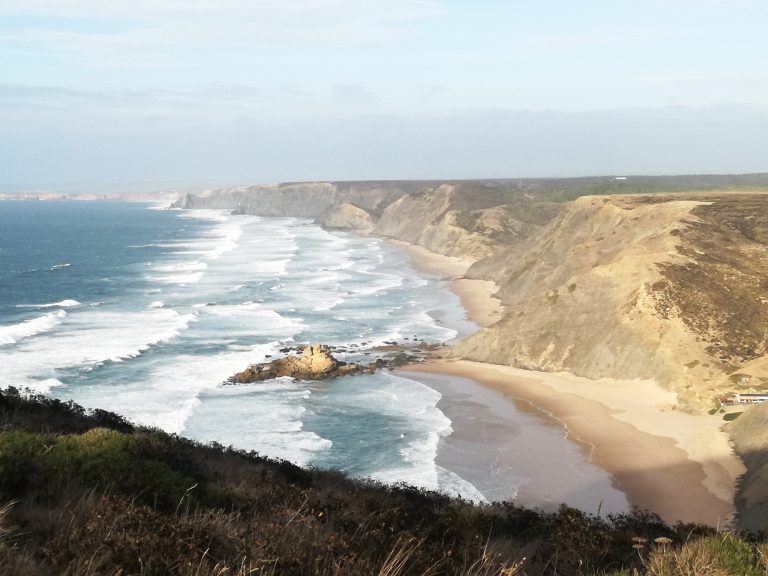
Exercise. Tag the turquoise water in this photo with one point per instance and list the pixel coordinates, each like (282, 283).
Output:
(145, 312)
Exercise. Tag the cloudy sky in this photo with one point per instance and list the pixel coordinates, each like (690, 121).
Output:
(99, 91)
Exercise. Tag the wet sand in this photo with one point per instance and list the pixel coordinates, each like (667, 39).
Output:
(678, 465)
(510, 450)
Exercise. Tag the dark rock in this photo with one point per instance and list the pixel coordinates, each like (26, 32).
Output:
(317, 363)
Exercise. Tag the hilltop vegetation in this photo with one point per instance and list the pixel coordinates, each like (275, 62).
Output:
(88, 493)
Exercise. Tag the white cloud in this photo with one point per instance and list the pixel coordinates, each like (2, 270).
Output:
(152, 24)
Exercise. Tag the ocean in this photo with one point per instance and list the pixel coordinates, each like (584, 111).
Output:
(145, 312)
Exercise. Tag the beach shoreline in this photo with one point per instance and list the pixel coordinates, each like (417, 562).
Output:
(476, 296)
(678, 465)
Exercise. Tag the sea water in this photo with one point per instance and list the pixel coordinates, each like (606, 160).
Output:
(146, 312)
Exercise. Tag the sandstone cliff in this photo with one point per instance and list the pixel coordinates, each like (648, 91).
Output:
(466, 219)
(455, 221)
(304, 200)
(346, 217)
(667, 286)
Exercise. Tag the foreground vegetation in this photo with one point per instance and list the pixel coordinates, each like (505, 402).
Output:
(88, 493)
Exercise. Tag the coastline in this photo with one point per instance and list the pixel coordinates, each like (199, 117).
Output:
(477, 296)
(678, 465)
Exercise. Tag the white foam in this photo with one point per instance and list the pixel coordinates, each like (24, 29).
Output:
(44, 386)
(57, 266)
(193, 266)
(454, 485)
(16, 332)
(269, 420)
(169, 395)
(251, 317)
(62, 304)
(89, 338)
(416, 441)
(191, 278)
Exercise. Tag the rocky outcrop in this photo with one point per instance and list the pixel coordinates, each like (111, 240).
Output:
(347, 217)
(315, 363)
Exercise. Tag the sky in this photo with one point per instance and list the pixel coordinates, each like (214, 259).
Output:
(100, 91)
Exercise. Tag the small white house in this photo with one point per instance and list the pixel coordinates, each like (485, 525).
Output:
(750, 398)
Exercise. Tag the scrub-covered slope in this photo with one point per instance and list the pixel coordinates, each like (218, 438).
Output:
(666, 286)
(91, 494)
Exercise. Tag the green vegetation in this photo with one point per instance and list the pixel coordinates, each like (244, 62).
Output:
(731, 416)
(719, 290)
(87, 493)
(567, 189)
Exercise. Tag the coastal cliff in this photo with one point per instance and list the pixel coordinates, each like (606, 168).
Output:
(663, 286)
(668, 287)
(468, 219)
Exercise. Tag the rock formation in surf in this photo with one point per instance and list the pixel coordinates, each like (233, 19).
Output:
(315, 363)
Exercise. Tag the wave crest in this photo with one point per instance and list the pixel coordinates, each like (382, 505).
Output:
(16, 332)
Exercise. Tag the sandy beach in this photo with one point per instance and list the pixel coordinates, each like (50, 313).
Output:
(476, 295)
(676, 464)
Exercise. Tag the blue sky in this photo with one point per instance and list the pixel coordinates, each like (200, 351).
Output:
(258, 90)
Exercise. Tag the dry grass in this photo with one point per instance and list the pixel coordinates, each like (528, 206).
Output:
(94, 500)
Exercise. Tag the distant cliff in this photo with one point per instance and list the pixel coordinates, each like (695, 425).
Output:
(467, 219)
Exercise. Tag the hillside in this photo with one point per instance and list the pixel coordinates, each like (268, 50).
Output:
(667, 286)
(88, 493)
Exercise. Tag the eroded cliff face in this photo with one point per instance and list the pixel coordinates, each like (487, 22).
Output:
(346, 217)
(303, 200)
(659, 286)
(467, 219)
(469, 223)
